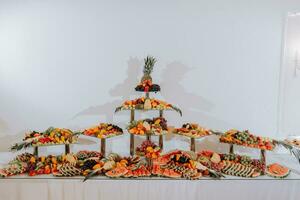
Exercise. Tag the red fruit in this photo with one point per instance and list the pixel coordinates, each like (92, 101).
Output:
(40, 171)
(32, 173)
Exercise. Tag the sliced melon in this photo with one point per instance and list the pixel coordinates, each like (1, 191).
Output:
(277, 171)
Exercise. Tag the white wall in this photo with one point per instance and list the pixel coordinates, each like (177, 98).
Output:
(68, 63)
(290, 79)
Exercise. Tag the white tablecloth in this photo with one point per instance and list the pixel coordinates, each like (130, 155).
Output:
(45, 187)
(149, 189)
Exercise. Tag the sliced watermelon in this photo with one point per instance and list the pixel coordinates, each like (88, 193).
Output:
(277, 171)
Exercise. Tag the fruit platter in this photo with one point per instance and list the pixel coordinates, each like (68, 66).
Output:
(146, 84)
(244, 138)
(192, 130)
(52, 136)
(156, 126)
(103, 131)
(232, 164)
(147, 104)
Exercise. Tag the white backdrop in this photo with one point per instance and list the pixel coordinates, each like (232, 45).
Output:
(69, 63)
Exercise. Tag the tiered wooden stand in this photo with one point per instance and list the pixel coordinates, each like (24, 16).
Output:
(148, 137)
(36, 148)
(192, 140)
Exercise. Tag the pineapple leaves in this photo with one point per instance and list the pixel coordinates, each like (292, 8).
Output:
(149, 64)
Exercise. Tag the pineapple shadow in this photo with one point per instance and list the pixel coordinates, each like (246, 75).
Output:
(121, 92)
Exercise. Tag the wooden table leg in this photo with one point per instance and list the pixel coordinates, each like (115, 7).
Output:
(193, 145)
(161, 113)
(103, 146)
(263, 159)
(131, 147)
(131, 144)
(231, 150)
(148, 137)
(36, 151)
(161, 138)
(161, 142)
(67, 148)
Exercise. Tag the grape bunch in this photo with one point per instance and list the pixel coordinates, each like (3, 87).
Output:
(162, 123)
(258, 164)
(245, 137)
(88, 164)
(245, 160)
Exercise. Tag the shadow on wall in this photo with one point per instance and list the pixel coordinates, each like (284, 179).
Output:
(122, 92)
(195, 108)
(3, 127)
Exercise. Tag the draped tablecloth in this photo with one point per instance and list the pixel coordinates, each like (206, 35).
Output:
(75, 189)
(49, 188)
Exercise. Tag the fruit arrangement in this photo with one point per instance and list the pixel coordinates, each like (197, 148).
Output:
(147, 104)
(237, 169)
(146, 84)
(103, 130)
(52, 136)
(156, 126)
(277, 171)
(192, 130)
(231, 164)
(115, 166)
(148, 149)
(181, 164)
(244, 138)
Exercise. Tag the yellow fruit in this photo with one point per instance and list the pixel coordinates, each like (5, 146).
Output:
(32, 159)
(149, 149)
(43, 158)
(97, 166)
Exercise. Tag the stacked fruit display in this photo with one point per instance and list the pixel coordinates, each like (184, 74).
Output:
(52, 136)
(244, 138)
(156, 126)
(103, 130)
(192, 130)
(147, 104)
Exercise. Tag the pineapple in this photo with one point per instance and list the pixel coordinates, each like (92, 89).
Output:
(148, 68)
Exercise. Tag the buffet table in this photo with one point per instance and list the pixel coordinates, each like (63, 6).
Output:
(72, 188)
